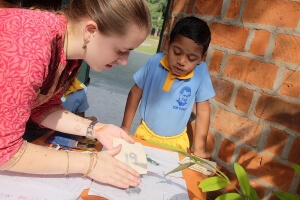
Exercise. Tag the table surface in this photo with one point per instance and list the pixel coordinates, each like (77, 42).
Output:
(191, 177)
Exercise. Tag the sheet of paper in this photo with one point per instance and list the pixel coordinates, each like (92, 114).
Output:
(153, 186)
(17, 186)
(167, 161)
(132, 154)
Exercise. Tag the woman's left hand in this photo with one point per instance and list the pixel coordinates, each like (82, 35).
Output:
(107, 132)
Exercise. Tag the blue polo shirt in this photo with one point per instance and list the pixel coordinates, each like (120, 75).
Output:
(167, 113)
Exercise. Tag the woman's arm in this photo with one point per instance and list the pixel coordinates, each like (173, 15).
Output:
(106, 169)
(67, 122)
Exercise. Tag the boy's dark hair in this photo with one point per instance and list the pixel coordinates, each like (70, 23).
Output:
(194, 29)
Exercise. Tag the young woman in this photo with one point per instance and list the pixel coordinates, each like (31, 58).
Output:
(40, 53)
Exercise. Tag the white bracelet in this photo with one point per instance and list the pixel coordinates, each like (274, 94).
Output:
(89, 130)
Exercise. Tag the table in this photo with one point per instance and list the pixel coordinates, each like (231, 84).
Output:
(191, 177)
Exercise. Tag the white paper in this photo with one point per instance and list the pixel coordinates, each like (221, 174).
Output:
(21, 186)
(167, 160)
(132, 155)
(153, 186)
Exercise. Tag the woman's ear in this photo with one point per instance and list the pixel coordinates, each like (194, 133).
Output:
(90, 28)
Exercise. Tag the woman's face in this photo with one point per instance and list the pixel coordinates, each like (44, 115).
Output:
(103, 52)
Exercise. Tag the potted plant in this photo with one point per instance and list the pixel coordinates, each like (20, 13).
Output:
(220, 180)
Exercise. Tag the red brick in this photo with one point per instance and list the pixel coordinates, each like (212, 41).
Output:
(276, 141)
(216, 61)
(294, 153)
(213, 195)
(266, 169)
(164, 46)
(178, 6)
(260, 42)
(251, 71)
(278, 110)
(233, 179)
(238, 127)
(226, 150)
(287, 48)
(234, 9)
(190, 6)
(210, 142)
(281, 13)
(211, 8)
(168, 25)
(291, 84)
(243, 99)
(223, 90)
(226, 36)
(260, 190)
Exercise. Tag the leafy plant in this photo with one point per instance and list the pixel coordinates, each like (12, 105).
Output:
(221, 180)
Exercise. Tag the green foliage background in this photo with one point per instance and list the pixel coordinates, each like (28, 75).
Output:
(157, 9)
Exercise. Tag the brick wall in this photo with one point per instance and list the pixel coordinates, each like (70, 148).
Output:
(254, 60)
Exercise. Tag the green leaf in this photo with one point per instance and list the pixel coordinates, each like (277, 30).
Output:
(179, 168)
(213, 183)
(243, 179)
(253, 194)
(230, 196)
(296, 168)
(199, 160)
(170, 147)
(286, 196)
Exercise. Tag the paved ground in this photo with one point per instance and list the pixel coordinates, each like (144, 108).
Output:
(108, 90)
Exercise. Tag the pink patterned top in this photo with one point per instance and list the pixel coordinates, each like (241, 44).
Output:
(33, 72)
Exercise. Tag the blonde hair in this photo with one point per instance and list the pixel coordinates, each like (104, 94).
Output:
(111, 16)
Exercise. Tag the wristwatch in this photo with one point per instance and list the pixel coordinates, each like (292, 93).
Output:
(89, 130)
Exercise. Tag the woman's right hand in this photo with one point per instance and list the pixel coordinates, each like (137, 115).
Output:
(111, 171)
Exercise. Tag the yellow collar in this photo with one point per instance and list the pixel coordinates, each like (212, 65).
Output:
(76, 85)
(171, 77)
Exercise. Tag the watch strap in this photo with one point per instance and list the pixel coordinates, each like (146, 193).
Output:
(90, 129)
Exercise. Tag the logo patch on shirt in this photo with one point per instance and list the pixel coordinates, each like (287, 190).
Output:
(183, 97)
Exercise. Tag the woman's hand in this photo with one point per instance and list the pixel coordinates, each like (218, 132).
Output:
(107, 132)
(109, 170)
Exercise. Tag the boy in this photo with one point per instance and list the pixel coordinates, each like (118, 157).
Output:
(167, 87)
(75, 99)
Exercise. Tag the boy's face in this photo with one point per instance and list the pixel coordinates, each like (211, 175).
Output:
(184, 55)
